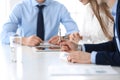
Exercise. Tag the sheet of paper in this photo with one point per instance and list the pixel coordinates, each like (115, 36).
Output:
(47, 45)
(44, 50)
(63, 56)
(80, 70)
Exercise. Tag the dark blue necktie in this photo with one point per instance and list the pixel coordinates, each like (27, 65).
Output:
(40, 22)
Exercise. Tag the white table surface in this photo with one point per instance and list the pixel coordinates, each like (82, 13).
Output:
(34, 66)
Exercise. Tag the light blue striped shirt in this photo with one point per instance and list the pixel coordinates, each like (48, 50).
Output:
(24, 17)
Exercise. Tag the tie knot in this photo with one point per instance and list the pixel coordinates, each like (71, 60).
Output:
(40, 7)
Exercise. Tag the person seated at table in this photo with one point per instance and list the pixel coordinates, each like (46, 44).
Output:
(30, 16)
(98, 22)
(107, 53)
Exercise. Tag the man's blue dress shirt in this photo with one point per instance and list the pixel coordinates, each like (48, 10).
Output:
(24, 17)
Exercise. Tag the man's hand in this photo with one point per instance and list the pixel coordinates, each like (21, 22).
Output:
(67, 45)
(54, 40)
(31, 41)
(79, 57)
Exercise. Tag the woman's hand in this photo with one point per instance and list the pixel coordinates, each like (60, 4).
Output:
(67, 45)
(79, 57)
(75, 37)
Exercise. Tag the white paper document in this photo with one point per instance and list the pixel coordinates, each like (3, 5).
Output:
(63, 56)
(46, 47)
(80, 70)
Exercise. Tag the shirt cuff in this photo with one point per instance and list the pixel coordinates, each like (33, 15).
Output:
(93, 57)
(93, 54)
(81, 47)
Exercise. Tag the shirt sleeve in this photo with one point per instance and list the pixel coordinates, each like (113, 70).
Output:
(11, 25)
(81, 47)
(93, 54)
(93, 57)
(68, 22)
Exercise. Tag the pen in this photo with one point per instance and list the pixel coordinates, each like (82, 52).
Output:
(60, 35)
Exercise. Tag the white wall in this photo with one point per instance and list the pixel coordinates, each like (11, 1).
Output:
(5, 7)
(3, 11)
(76, 10)
(13, 2)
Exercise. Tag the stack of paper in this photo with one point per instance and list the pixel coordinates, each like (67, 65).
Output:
(80, 70)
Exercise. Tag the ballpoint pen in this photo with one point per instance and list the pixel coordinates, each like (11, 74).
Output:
(59, 35)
